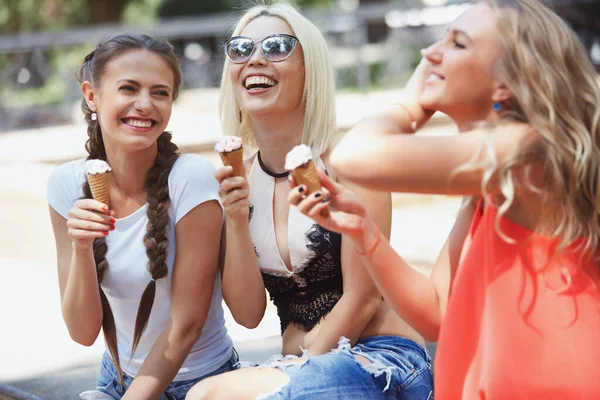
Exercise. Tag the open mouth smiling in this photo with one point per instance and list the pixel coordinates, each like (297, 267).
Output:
(259, 82)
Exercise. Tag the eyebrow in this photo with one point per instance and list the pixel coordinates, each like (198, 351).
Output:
(136, 83)
(455, 32)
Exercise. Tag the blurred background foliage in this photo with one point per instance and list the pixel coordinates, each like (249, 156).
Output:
(374, 43)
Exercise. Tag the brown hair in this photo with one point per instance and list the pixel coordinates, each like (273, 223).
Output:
(156, 185)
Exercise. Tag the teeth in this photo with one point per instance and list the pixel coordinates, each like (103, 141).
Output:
(139, 123)
(434, 78)
(259, 80)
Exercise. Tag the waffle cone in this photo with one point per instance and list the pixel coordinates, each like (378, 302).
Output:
(235, 159)
(100, 186)
(307, 175)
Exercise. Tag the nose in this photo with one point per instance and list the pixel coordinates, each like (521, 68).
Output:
(257, 57)
(143, 103)
(433, 53)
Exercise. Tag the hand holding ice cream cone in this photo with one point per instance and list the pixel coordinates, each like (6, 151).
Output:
(232, 154)
(99, 176)
(302, 167)
(346, 214)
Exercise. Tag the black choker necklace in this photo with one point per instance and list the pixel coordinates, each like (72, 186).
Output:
(269, 172)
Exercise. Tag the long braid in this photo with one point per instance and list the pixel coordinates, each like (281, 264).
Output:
(156, 239)
(95, 148)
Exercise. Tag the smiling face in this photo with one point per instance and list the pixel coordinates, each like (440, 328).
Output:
(262, 86)
(134, 99)
(462, 82)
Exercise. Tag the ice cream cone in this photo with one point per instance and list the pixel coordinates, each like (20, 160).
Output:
(231, 150)
(235, 159)
(100, 186)
(306, 174)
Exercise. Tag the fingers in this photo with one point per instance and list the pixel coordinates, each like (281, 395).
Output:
(92, 205)
(332, 187)
(80, 234)
(314, 204)
(297, 194)
(235, 182)
(228, 198)
(93, 216)
(233, 189)
(83, 224)
(223, 172)
(89, 219)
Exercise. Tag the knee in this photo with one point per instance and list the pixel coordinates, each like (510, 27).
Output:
(203, 390)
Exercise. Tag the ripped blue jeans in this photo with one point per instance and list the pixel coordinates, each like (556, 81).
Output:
(109, 386)
(399, 368)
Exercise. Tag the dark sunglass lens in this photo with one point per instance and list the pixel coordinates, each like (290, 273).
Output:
(278, 47)
(239, 50)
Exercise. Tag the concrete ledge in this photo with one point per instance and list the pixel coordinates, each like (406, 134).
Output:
(68, 383)
(10, 392)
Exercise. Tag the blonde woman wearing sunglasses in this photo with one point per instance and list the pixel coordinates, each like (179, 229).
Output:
(339, 339)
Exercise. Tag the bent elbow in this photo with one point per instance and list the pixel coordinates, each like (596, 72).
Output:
(189, 330)
(249, 321)
(82, 338)
(249, 317)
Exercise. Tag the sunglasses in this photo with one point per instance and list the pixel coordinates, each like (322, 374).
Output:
(275, 48)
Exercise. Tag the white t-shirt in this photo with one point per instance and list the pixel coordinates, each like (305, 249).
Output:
(191, 183)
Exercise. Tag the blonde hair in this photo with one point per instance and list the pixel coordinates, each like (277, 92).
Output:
(547, 69)
(319, 94)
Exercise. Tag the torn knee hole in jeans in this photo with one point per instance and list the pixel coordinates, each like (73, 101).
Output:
(375, 368)
(369, 364)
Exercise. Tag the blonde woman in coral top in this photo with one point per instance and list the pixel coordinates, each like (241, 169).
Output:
(514, 297)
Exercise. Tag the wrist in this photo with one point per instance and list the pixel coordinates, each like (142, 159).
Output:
(367, 239)
(83, 251)
(236, 223)
(82, 247)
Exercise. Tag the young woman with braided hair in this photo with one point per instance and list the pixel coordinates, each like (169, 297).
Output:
(145, 270)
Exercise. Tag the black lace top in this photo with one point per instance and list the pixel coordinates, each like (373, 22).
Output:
(304, 298)
(304, 295)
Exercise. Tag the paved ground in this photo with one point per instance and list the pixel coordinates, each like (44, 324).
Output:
(36, 353)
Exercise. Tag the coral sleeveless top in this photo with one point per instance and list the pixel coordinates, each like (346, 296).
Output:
(514, 330)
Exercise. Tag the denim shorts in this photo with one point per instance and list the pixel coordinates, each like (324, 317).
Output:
(399, 369)
(109, 384)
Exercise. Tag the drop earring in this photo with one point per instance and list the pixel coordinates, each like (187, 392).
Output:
(94, 116)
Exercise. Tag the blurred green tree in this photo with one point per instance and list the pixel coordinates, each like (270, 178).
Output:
(35, 15)
(39, 15)
(173, 8)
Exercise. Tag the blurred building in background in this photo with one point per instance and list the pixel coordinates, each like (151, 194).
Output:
(375, 43)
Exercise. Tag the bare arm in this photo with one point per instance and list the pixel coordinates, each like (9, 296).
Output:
(77, 277)
(416, 164)
(243, 286)
(360, 299)
(196, 264)
(419, 300)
